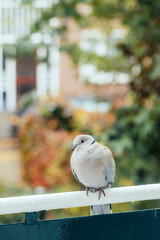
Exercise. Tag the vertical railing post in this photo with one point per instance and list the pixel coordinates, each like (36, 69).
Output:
(31, 218)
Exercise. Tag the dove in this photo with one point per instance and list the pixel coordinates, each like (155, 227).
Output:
(92, 164)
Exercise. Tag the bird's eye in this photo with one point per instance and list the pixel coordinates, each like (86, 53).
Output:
(82, 141)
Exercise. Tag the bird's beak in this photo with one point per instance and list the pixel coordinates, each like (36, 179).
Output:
(73, 147)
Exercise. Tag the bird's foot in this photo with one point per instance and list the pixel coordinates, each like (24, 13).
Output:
(100, 190)
(90, 189)
(93, 190)
(87, 190)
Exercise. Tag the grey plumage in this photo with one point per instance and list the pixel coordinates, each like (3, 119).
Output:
(93, 165)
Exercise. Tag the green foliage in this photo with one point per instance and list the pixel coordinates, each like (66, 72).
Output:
(60, 114)
(135, 139)
(27, 1)
(141, 46)
(22, 47)
(26, 100)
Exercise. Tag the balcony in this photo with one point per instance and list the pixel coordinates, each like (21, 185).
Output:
(130, 225)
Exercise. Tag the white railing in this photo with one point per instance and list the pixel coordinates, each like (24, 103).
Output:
(16, 19)
(35, 203)
(16, 22)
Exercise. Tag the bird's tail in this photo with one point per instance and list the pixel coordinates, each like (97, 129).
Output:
(100, 209)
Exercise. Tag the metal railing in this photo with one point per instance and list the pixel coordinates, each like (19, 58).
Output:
(35, 203)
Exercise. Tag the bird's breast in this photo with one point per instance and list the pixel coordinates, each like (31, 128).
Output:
(89, 169)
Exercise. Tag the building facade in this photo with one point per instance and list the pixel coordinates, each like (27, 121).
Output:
(24, 74)
(58, 76)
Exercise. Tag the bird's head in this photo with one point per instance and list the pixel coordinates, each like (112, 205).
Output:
(82, 141)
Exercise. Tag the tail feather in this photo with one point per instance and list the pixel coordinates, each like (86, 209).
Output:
(100, 209)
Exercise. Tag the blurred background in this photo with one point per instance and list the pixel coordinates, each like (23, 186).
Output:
(78, 66)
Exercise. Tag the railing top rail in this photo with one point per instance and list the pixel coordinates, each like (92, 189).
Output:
(35, 203)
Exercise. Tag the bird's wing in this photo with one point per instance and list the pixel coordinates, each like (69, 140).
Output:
(72, 166)
(109, 166)
(75, 175)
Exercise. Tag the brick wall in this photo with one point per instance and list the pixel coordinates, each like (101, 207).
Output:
(71, 86)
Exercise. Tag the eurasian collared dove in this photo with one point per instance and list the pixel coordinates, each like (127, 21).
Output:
(93, 165)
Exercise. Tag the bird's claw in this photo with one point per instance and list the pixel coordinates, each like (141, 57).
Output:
(87, 190)
(100, 190)
(93, 190)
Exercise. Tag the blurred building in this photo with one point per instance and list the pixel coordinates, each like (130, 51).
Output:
(59, 76)
(24, 74)
(86, 87)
